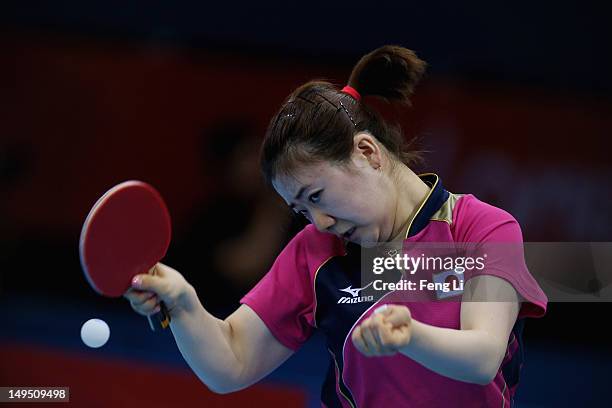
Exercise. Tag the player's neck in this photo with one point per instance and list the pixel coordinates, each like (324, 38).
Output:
(411, 192)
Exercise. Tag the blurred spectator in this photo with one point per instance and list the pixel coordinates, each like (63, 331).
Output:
(233, 237)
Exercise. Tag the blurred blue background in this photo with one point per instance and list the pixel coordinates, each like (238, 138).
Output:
(515, 108)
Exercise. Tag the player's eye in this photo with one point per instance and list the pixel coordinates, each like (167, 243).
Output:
(315, 197)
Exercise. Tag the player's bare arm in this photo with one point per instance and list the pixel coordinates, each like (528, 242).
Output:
(227, 355)
(472, 354)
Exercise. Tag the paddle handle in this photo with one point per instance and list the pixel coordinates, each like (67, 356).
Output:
(160, 319)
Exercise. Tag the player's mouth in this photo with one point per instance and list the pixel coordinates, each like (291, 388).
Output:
(349, 233)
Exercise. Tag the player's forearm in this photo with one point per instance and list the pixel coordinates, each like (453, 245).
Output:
(203, 340)
(471, 356)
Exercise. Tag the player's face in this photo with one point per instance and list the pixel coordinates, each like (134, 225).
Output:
(354, 201)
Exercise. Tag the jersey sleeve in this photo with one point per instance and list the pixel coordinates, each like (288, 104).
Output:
(499, 236)
(284, 297)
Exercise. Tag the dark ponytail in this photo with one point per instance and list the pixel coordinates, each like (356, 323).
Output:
(389, 72)
(317, 121)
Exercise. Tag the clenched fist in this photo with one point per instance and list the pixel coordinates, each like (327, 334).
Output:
(386, 331)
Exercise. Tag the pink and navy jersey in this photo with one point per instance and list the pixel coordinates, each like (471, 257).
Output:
(302, 293)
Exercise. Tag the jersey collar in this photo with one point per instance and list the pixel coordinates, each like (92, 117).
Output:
(436, 197)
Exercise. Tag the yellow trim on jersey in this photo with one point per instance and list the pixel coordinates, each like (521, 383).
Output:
(424, 201)
(339, 378)
(314, 289)
(445, 213)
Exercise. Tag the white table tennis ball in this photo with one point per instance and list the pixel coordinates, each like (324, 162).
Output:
(95, 333)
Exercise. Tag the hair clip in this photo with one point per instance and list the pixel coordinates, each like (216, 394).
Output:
(340, 107)
(348, 114)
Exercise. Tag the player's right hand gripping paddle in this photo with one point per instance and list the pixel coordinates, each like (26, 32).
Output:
(126, 233)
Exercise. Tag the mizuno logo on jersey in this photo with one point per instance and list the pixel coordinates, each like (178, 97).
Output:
(355, 295)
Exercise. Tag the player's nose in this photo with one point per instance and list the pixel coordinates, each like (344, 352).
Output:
(322, 221)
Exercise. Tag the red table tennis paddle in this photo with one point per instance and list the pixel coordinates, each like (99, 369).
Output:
(126, 233)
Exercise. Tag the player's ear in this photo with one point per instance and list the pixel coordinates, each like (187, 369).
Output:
(366, 150)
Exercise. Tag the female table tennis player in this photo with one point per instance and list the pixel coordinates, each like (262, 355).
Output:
(337, 162)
